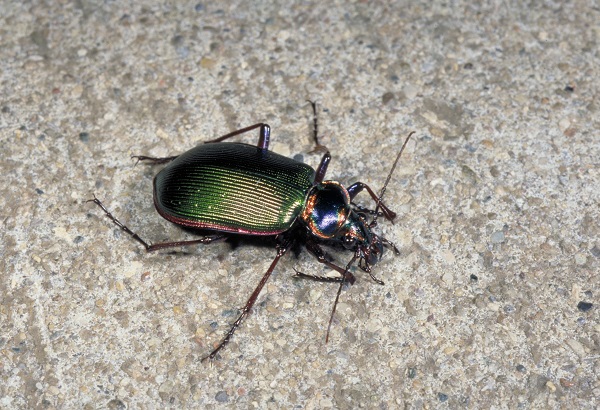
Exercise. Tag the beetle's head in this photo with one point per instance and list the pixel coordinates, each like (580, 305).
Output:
(358, 236)
(329, 216)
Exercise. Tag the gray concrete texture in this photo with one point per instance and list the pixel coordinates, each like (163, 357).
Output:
(488, 303)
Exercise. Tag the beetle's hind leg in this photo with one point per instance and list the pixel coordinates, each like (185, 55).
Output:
(162, 245)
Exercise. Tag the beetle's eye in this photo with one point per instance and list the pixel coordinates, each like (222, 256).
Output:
(349, 241)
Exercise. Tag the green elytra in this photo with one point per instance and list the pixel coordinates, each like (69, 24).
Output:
(233, 187)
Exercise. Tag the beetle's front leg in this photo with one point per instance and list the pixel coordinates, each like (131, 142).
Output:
(318, 253)
(357, 187)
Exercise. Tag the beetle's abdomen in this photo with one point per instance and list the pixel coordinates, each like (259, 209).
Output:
(233, 187)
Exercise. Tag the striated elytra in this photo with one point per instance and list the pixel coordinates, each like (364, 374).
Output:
(226, 188)
(233, 187)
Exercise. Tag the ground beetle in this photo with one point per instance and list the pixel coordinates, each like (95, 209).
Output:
(235, 188)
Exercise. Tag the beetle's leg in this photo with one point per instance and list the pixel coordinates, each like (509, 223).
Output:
(318, 253)
(367, 268)
(390, 244)
(318, 146)
(282, 248)
(263, 138)
(202, 241)
(357, 187)
(327, 279)
(363, 209)
(156, 246)
(345, 278)
(153, 160)
(322, 169)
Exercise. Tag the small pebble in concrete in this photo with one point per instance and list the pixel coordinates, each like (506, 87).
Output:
(222, 397)
(497, 237)
(584, 306)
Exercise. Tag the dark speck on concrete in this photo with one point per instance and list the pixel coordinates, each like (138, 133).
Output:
(584, 306)
(39, 191)
(177, 40)
(521, 368)
(78, 239)
(222, 397)
(387, 97)
(508, 309)
(442, 397)
(471, 148)
(84, 136)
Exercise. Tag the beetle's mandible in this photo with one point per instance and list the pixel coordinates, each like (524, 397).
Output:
(230, 188)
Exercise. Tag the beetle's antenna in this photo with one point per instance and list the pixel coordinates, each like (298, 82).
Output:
(337, 297)
(374, 222)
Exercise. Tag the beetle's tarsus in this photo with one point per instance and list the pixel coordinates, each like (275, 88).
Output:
(318, 146)
(152, 160)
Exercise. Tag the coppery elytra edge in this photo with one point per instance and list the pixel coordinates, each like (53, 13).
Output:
(235, 188)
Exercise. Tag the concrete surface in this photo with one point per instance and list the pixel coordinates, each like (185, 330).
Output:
(497, 196)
